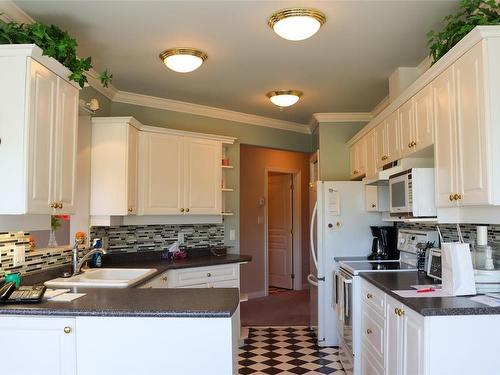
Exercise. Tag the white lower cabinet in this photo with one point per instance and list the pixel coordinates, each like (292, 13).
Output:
(220, 276)
(38, 346)
(376, 198)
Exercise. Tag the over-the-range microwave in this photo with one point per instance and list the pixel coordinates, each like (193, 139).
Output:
(411, 193)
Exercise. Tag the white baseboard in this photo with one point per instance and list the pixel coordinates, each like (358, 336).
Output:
(258, 294)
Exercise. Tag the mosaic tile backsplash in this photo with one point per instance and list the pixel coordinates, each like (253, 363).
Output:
(449, 231)
(34, 260)
(136, 238)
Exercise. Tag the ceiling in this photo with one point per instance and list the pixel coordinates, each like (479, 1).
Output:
(343, 68)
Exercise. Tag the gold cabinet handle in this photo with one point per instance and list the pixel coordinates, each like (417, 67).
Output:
(130, 210)
(355, 171)
(451, 197)
(457, 197)
(53, 205)
(413, 143)
(187, 209)
(374, 205)
(369, 295)
(209, 274)
(369, 331)
(401, 312)
(396, 311)
(410, 144)
(59, 205)
(182, 209)
(67, 329)
(164, 279)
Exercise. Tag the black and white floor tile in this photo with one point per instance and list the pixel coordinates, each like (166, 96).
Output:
(286, 350)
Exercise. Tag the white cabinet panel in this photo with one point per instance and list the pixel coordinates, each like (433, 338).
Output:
(394, 335)
(406, 128)
(392, 137)
(381, 145)
(66, 146)
(42, 130)
(38, 346)
(371, 155)
(423, 119)
(203, 176)
(161, 182)
(472, 135)
(445, 151)
(132, 169)
(413, 343)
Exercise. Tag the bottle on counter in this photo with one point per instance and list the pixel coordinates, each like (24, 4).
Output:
(96, 261)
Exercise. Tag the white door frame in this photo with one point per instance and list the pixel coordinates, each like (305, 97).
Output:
(297, 227)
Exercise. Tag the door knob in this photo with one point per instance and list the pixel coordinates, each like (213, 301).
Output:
(67, 329)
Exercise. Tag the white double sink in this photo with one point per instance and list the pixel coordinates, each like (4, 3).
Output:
(103, 278)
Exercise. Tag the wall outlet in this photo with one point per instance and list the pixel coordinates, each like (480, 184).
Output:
(260, 219)
(19, 256)
(180, 238)
(232, 235)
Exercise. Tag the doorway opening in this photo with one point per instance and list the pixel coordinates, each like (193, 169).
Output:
(283, 229)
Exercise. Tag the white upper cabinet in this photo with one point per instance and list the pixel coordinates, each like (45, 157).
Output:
(393, 137)
(203, 176)
(161, 174)
(357, 158)
(381, 145)
(114, 153)
(445, 150)
(179, 175)
(406, 128)
(38, 133)
(371, 155)
(423, 124)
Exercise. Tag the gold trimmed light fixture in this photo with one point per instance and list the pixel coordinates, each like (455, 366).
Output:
(183, 60)
(296, 23)
(284, 98)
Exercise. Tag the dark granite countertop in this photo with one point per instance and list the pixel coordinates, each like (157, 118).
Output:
(426, 306)
(137, 302)
(347, 259)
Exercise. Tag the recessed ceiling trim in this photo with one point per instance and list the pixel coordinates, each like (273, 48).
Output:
(202, 110)
(343, 117)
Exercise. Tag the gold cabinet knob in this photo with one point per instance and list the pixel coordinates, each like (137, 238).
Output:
(396, 311)
(413, 143)
(182, 209)
(59, 205)
(67, 329)
(52, 205)
(369, 331)
(410, 144)
(311, 184)
(187, 209)
(164, 279)
(451, 197)
(130, 210)
(374, 205)
(369, 295)
(209, 274)
(401, 312)
(457, 197)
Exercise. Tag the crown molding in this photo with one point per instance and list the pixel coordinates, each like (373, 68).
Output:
(343, 117)
(11, 12)
(202, 110)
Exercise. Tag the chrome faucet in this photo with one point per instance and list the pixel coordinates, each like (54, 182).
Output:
(78, 262)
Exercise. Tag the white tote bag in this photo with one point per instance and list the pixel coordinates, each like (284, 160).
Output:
(457, 270)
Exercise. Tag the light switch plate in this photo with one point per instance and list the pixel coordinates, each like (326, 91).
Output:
(232, 235)
(19, 255)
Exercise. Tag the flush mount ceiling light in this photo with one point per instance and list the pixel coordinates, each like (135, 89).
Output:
(284, 98)
(296, 23)
(183, 60)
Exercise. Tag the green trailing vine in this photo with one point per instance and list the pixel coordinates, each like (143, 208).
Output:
(472, 13)
(55, 43)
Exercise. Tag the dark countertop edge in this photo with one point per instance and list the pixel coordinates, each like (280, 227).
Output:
(118, 314)
(480, 309)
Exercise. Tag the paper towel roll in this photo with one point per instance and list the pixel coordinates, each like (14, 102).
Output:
(482, 235)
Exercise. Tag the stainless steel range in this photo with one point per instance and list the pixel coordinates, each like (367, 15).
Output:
(347, 296)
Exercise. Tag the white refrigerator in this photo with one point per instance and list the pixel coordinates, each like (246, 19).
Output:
(340, 227)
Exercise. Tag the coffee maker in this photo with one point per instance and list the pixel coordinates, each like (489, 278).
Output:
(384, 244)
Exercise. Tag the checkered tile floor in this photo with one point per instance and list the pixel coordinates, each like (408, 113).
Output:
(286, 350)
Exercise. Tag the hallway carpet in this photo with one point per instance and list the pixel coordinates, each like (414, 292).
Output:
(289, 308)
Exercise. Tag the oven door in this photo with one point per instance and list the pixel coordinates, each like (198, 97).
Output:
(399, 194)
(344, 307)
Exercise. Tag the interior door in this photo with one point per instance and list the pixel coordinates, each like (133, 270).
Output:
(203, 176)
(280, 240)
(42, 118)
(66, 140)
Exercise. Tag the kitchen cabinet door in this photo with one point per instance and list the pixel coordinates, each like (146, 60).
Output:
(358, 158)
(371, 155)
(352, 160)
(203, 176)
(423, 119)
(445, 150)
(472, 137)
(34, 346)
(406, 128)
(132, 166)
(42, 142)
(413, 343)
(394, 338)
(66, 146)
(393, 137)
(381, 145)
(161, 174)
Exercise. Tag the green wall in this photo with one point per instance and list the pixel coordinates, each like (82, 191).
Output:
(333, 151)
(246, 133)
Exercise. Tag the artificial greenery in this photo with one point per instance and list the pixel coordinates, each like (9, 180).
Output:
(55, 43)
(472, 13)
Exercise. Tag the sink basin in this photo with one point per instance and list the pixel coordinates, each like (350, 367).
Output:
(103, 278)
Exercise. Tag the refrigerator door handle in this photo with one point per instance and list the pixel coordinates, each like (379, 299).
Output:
(311, 235)
(311, 279)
